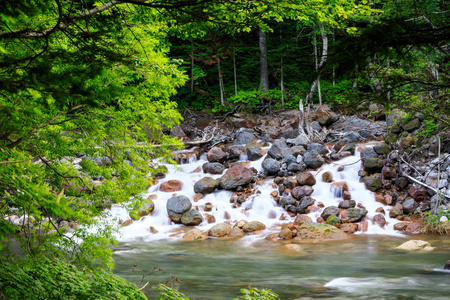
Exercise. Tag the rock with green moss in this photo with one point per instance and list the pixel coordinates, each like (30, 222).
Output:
(411, 125)
(206, 185)
(333, 220)
(315, 232)
(391, 138)
(373, 165)
(147, 207)
(372, 182)
(381, 149)
(356, 214)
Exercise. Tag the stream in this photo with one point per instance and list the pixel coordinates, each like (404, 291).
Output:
(364, 266)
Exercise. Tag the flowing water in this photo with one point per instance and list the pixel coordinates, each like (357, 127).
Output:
(365, 266)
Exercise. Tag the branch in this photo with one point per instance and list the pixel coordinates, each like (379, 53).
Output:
(16, 161)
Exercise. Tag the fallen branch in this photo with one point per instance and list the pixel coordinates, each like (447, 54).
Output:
(425, 185)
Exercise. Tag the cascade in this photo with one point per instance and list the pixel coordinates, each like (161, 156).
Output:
(260, 206)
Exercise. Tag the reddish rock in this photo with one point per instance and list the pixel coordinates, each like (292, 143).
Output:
(360, 206)
(197, 170)
(153, 230)
(363, 225)
(413, 227)
(320, 220)
(302, 191)
(127, 223)
(348, 228)
(236, 176)
(327, 177)
(401, 226)
(208, 207)
(397, 210)
(171, 186)
(285, 234)
(227, 215)
(380, 220)
(344, 215)
(345, 204)
(379, 198)
(312, 208)
(306, 178)
(152, 197)
(380, 210)
(292, 214)
(290, 182)
(216, 155)
(324, 117)
(346, 195)
(302, 218)
(282, 217)
(274, 194)
(418, 192)
(197, 197)
(388, 199)
(210, 219)
(388, 172)
(341, 168)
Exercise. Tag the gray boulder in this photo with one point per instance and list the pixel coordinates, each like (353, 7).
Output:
(191, 218)
(177, 206)
(213, 168)
(304, 203)
(330, 211)
(206, 185)
(244, 137)
(356, 214)
(271, 166)
(235, 151)
(318, 147)
(279, 149)
(254, 151)
(313, 160)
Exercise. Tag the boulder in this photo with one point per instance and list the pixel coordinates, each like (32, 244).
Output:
(236, 233)
(313, 160)
(309, 231)
(318, 147)
(279, 149)
(195, 235)
(372, 182)
(401, 226)
(236, 176)
(301, 219)
(295, 167)
(178, 132)
(216, 155)
(244, 137)
(254, 151)
(253, 226)
(206, 185)
(395, 211)
(285, 234)
(301, 140)
(171, 186)
(235, 151)
(356, 214)
(414, 245)
(329, 211)
(304, 203)
(302, 191)
(380, 220)
(306, 178)
(388, 172)
(348, 228)
(411, 125)
(213, 168)
(327, 177)
(344, 204)
(373, 165)
(219, 230)
(271, 166)
(381, 149)
(191, 218)
(409, 205)
(333, 220)
(147, 207)
(418, 192)
(352, 137)
(401, 182)
(177, 206)
(324, 117)
(368, 152)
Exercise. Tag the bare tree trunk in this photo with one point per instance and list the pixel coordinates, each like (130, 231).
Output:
(264, 73)
(192, 66)
(334, 67)
(222, 101)
(281, 71)
(235, 73)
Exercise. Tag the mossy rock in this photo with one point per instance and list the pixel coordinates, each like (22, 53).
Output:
(316, 232)
(391, 138)
(147, 207)
(333, 220)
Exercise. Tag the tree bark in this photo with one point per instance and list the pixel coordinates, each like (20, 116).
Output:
(222, 101)
(235, 73)
(264, 73)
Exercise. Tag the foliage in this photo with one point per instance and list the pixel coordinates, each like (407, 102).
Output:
(432, 223)
(256, 294)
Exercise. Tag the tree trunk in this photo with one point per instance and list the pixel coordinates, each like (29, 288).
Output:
(281, 71)
(235, 73)
(222, 101)
(264, 73)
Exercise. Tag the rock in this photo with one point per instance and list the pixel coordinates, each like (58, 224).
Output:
(206, 185)
(400, 226)
(401, 182)
(327, 177)
(301, 140)
(298, 151)
(178, 132)
(411, 125)
(352, 137)
(368, 152)
(286, 201)
(306, 178)
(318, 147)
(127, 223)
(213, 168)
(397, 210)
(344, 204)
(338, 188)
(290, 182)
(285, 234)
(356, 214)
(391, 138)
(216, 155)
(373, 165)
(254, 151)
(413, 227)
(295, 167)
(271, 166)
(309, 231)
(147, 207)
(348, 228)
(236, 176)
(244, 137)
(372, 182)
(418, 192)
(219, 230)
(388, 172)
(304, 203)
(313, 160)
(279, 150)
(191, 218)
(235, 151)
(380, 220)
(316, 126)
(329, 211)
(302, 191)
(324, 117)
(414, 245)
(381, 149)
(171, 186)
(253, 226)
(197, 197)
(153, 230)
(177, 206)
(236, 233)
(195, 235)
(208, 207)
(409, 206)
(333, 220)
(302, 218)
(240, 224)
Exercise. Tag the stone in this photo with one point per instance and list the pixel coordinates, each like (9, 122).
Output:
(147, 207)
(191, 218)
(304, 203)
(219, 230)
(306, 178)
(171, 186)
(413, 227)
(213, 168)
(127, 223)
(388, 172)
(290, 182)
(254, 151)
(236, 176)
(327, 177)
(309, 231)
(348, 228)
(271, 166)
(302, 218)
(372, 182)
(216, 154)
(285, 234)
(409, 205)
(313, 160)
(391, 138)
(235, 151)
(373, 165)
(197, 197)
(178, 132)
(316, 126)
(195, 235)
(329, 211)
(344, 204)
(346, 195)
(302, 191)
(295, 167)
(368, 152)
(380, 220)
(381, 149)
(279, 150)
(244, 137)
(418, 192)
(321, 149)
(401, 226)
(240, 224)
(253, 226)
(301, 140)
(333, 220)
(352, 137)
(356, 214)
(411, 125)
(153, 230)
(208, 207)
(415, 245)
(177, 206)
(395, 211)
(324, 117)
(206, 185)
(236, 233)
(286, 201)
(401, 182)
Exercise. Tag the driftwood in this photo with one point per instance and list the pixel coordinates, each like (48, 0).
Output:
(230, 113)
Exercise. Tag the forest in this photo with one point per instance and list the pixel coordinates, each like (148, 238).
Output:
(106, 80)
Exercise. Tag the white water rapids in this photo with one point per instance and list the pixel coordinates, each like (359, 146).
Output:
(260, 207)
